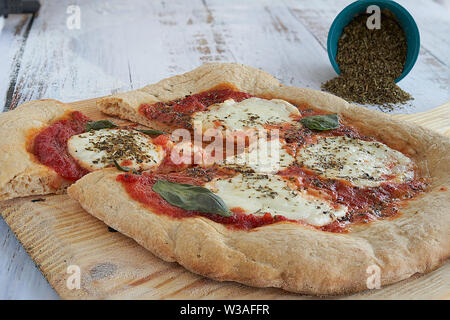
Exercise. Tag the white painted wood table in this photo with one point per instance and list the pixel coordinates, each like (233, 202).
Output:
(122, 45)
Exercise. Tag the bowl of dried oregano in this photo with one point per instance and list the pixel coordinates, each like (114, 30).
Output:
(372, 44)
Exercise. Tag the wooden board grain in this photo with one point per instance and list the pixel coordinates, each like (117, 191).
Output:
(57, 233)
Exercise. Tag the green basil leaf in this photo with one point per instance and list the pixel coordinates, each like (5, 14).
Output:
(151, 131)
(101, 124)
(124, 169)
(190, 197)
(321, 122)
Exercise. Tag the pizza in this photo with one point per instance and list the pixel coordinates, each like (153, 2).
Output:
(239, 178)
(50, 146)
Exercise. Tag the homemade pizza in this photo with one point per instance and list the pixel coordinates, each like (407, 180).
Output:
(239, 178)
(49, 146)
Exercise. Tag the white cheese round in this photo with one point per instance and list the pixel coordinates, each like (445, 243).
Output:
(363, 163)
(97, 149)
(262, 156)
(260, 194)
(252, 113)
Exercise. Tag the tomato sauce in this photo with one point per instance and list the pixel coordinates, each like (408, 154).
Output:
(139, 187)
(167, 165)
(50, 146)
(364, 204)
(177, 113)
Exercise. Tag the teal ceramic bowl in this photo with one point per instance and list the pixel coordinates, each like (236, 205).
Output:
(404, 17)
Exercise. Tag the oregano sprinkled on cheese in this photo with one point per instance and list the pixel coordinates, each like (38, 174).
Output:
(122, 145)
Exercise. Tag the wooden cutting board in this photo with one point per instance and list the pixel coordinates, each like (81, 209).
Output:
(57, 233)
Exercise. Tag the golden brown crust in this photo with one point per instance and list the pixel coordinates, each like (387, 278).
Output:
(288, 255)
(21, 175)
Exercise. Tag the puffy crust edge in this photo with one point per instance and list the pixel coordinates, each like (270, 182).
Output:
(285, 255)
(262, 257)
(21, 175)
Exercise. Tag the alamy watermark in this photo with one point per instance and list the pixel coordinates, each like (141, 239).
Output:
(74, 280)
(374, 20)
(206, 147)
(73, 20)
(374, 277)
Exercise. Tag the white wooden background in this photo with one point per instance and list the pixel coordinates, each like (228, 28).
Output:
(123, 45)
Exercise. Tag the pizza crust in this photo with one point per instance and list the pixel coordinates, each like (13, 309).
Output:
(242, 78)
(286, 255)
(21, 174)
(262, 257)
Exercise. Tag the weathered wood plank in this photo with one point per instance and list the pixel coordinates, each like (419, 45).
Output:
(19, 277)
(13, 36)
(433, 20)
(59, 63)
(120, 47)
(428, 81)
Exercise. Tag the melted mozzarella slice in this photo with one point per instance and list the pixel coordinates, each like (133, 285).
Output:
(363, 163)
(97, 149)
(252, 113)
(259, 194)
(262, 156)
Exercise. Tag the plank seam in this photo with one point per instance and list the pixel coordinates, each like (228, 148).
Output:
(13, 79)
